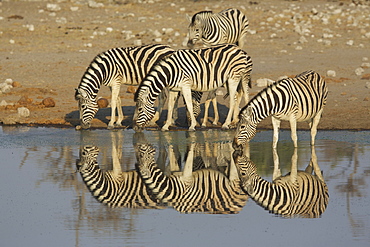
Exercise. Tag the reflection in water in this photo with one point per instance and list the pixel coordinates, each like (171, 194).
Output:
(38, 167)
(205, 190)
(113, 187)
(298, 193)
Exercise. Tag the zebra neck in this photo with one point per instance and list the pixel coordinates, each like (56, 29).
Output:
(93, 177)
(263, 192)
(90, 86)
(263, 105)
(208, 30)
(155, 179)
(156, 82)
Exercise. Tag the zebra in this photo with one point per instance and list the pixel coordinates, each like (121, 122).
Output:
(198, 70)
(297, 99)
(298, 193)
(204, 190)
(112, 68)
(228, 26)
(113, 188)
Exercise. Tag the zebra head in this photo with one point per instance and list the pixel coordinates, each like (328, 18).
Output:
(246, 170)
(195, 29)
(87, 107)
(246, 128)
(144, 110)
(88, 156)
(145, 156)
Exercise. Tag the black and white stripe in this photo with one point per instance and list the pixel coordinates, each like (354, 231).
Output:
(204, 190)
(227, 27)
(115, 189)
(112, 68)
(198, 70)
(297, 99)
(298, 193)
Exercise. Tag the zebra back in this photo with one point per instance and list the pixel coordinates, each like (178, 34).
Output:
(227, 27)
(303, 194)
(123, 190)
(206, 190)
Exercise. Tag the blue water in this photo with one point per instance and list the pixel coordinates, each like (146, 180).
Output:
(46, 203)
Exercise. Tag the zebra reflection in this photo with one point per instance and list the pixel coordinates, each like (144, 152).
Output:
(115, 188)
(205, 190)
(296, 194)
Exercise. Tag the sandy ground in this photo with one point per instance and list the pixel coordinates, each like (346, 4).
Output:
(45, 50)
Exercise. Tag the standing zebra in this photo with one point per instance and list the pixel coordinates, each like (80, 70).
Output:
(229, 26)
(297, 194)
(112, 68)
(204, 190)
(198, 70)
(297, 99)
(113, 188)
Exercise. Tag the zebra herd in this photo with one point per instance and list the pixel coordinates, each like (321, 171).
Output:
(162, 72)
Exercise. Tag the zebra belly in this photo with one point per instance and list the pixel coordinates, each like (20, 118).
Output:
(299, 117)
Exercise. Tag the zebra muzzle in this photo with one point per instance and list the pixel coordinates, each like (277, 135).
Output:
(236, 145)
(190, 44)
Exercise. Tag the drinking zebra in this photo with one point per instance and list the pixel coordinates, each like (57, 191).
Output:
(228, 26)
(297, 99)
(112, 68)
(204, 190)
(297, 194)
(198, 70)
(113, 188)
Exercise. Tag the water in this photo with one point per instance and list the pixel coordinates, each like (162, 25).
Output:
(46, 203)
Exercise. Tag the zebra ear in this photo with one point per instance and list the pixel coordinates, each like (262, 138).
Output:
(77, 94)
(248, 111)
(188, 18)
(80, 93)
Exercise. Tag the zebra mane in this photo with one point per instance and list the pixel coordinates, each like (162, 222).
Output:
(199, 13)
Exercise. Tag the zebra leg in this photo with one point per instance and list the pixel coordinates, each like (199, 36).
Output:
(120, 113)
(187, 173)
(115, 88)
(233, 85)
(186, 92)
(171, 102)
(313, 125)
(293, 129)
(315, 165)
(116, 154)
(215, 109)
(294, 168)
(238, 99)
(277, 171)
(276, 126)
(205, 117)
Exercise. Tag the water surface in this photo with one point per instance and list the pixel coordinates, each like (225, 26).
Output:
(46, 203)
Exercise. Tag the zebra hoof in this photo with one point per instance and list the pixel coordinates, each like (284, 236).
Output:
(191, 129)
(225, 127)
(110, 127)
